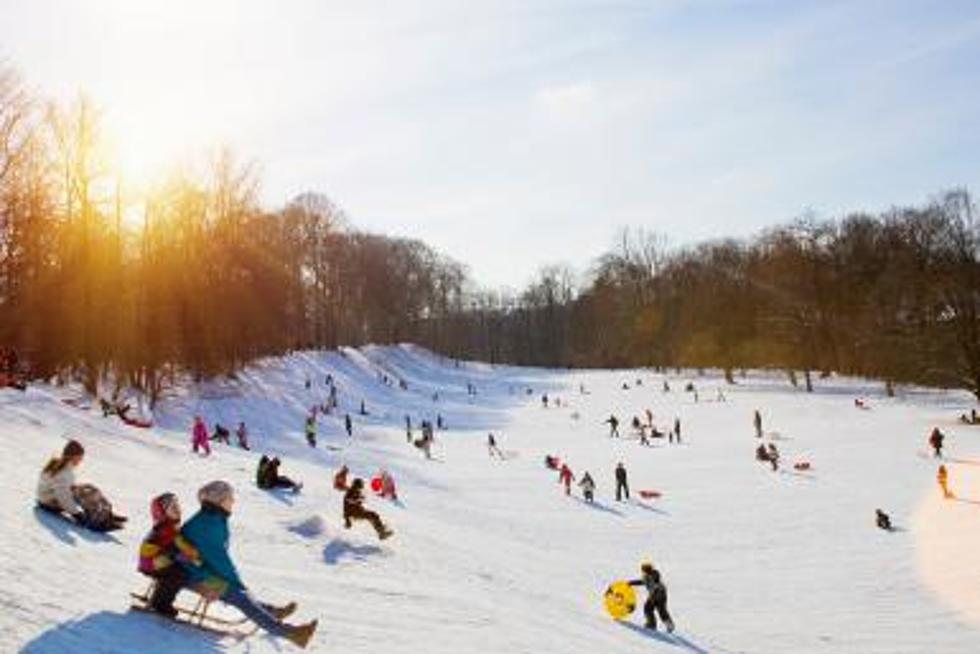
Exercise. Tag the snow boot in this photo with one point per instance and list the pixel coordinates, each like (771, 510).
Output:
(669, 626)
(301, 635)
(385, 533)
(280, 613)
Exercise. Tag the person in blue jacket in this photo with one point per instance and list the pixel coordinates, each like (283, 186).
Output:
(216, 576)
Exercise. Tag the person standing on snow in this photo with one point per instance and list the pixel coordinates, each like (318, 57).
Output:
(677, 430)
(656, 603)
(588, 487)
(217, 578)
(936, 442)
(348, 425)
(622, 486)
(242, 434)
(199, 436)
(613, 423)
(566, 477)
(757, 422)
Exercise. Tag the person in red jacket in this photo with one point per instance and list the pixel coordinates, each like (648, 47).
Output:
(565, 477)
(160, 551)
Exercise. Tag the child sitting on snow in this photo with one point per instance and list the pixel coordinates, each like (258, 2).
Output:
(161, 549)
(57, 492)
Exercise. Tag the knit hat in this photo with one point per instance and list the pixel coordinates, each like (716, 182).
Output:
(215, 492)
(160, 505)
(72, 448)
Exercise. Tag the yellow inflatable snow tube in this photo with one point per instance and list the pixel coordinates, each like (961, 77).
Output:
(620, 600)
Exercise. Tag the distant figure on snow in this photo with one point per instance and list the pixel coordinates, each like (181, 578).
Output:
(882, 520)
(310, 430)
(492, 447)
(613, 423)
(936, 442)
(199, 436)
(773, 456)
(587, 484)
(348, 425)
(242, 434)
(656, 603)
(622, 486)
(565, 477)
(340, 478)
(943, 478)
(677, 429)
(221, 434)
(757, 421)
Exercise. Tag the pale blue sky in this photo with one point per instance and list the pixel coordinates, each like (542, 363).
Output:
(516, 134)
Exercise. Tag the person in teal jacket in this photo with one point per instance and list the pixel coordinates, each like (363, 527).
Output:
(216, 577)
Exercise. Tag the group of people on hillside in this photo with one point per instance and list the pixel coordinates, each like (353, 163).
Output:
(587, 483)
(201, 438)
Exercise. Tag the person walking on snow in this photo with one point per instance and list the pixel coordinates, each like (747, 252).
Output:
(348, 425)
(566, 477)
(199, 436)
(622, 486)
(217, 576)
(656, 603)
(757, 421)
(588, 487)
(613, 423)
(354, 510)
(943, 478)
(492, 447)
(677, 430)
(936, 442)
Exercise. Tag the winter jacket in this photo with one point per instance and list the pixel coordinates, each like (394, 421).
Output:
(163, 546)
(207, 532)
(655, 587)
(620, 475)
(587, 484)
(55, 490)
(353, 503)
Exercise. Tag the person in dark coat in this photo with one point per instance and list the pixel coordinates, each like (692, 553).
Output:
(267, 476)
(622, 486)
(354, 509)
(883, 521)
(656, 603)
(613, 423)
(936, 442)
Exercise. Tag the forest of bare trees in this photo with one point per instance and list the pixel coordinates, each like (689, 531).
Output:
(893, 296)
(194, 276)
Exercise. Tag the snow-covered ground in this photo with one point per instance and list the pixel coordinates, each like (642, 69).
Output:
(490, 555)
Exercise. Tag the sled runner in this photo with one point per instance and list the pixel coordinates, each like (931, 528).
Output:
(198, 617)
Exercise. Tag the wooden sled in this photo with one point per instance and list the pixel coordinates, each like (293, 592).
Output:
(197, 617)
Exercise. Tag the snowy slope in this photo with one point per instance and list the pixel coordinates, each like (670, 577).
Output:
(489, 555)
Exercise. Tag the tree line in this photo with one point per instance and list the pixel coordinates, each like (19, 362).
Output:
(190, 276)
(893, 296)
(194, 276)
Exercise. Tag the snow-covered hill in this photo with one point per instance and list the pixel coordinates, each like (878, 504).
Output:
(490, 555)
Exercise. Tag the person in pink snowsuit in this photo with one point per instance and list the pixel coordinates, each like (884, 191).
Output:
(199, 436)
